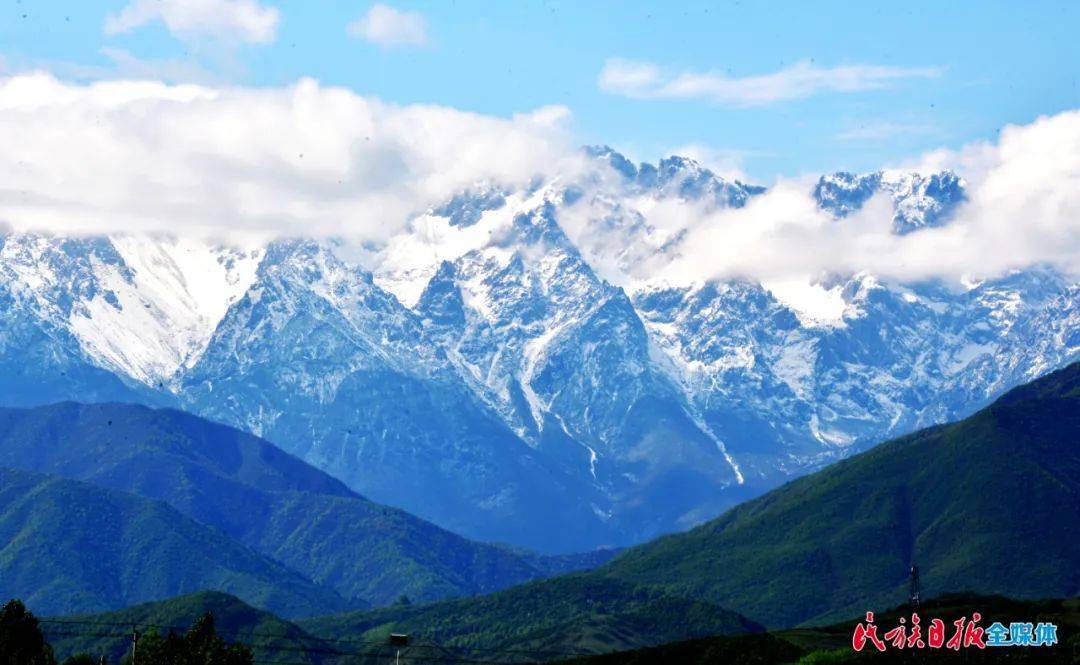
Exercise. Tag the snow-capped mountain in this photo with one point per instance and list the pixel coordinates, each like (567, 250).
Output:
(488, 371)
(47, 287)
(919, 201)
(901, 358)
(319, 359)
(675, 176)
(569, 365)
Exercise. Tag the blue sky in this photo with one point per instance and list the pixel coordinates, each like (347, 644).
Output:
(925, 74)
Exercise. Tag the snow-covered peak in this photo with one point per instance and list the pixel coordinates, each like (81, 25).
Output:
(617, 161)
(675, 177)
(687, 179)
(300, 281)
(919, 201)
(468, 223)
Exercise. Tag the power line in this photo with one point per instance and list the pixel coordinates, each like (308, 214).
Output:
(442, 658)
(325, 641)
(147, 624)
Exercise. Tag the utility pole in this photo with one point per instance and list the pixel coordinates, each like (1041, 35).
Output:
(914, 592)
(398, 640)
(134, 645)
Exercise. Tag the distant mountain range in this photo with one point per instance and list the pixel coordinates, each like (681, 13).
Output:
(989, 504)
(483, 371)
(170, 503)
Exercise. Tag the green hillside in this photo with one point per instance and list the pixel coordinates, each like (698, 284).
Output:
(566, 614)
(832, 644)
(989, 504)
(275, 640)
(265, 499)
(68, 546)
(109, 633)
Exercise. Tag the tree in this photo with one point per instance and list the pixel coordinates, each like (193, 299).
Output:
(21, 641)
(200, 645)
(82, 659)
(828, 657)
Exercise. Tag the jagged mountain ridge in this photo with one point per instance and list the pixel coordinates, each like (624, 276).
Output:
(485, 374)
(918, 201)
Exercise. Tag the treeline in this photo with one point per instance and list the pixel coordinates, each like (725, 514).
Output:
(22, 643)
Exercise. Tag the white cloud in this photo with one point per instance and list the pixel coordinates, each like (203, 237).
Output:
(644, 80)
(227, 20)
(388, 27)
(1023, 209)
(632, 78)
(306, 159)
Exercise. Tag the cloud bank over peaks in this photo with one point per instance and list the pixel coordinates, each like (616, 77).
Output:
(310, 160)
(299, 160)
(1022, 208)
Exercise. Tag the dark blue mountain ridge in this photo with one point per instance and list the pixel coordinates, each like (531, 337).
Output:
(260, 496)
(68, 546)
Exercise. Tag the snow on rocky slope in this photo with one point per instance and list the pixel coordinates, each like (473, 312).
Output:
(142, 307)
(920, 201)
(488, 373)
